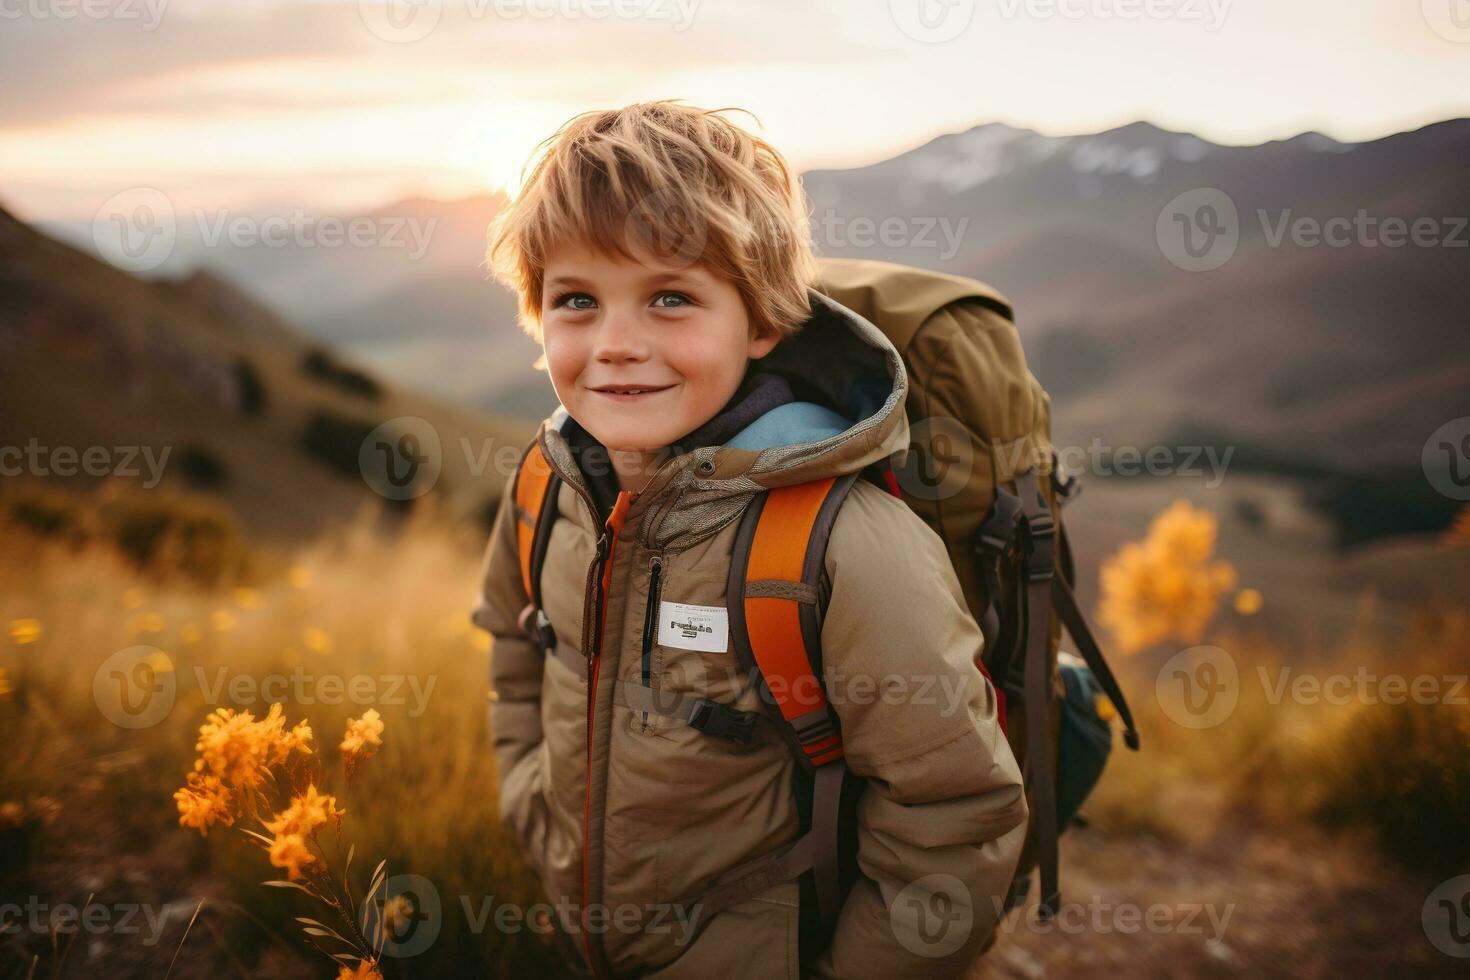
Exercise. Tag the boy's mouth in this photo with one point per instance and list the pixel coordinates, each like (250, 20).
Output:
(629, 393)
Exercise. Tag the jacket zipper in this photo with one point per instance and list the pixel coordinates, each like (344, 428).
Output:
(599, 575)
(650, 627)
(593, 609)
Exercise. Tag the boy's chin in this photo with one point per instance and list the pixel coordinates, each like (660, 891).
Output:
(632, 443)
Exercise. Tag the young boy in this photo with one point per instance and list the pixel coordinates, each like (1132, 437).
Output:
(662, 258)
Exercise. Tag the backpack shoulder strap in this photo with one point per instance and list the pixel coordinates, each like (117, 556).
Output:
(772, 600)
(536, 486)
(772, 595)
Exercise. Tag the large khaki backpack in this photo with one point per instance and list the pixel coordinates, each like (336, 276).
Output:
(982, 473)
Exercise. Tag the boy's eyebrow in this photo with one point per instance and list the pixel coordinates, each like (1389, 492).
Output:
(572, 281)
(652, 279)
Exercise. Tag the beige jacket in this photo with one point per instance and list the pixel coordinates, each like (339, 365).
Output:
(624, 812)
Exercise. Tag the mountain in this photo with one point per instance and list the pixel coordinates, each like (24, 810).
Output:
(1351, 354)
(248, 410)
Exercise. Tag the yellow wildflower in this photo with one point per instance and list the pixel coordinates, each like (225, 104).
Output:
(24, 631)
(366, 970)
(241, 750)
(289, 851)
(230, 746)
(364, 736)
(204, 801)
(307, 813)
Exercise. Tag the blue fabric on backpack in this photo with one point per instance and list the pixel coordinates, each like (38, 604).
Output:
(791, 424)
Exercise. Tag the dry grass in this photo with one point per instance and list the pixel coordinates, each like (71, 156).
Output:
(1344, 756)
(88, 792)
(86, 807)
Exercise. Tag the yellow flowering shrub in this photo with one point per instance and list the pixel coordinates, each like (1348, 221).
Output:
(1166, 586)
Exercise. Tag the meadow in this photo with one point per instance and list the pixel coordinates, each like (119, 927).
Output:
(1292, 835)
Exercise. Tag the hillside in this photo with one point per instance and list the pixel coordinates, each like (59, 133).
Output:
(248, 411)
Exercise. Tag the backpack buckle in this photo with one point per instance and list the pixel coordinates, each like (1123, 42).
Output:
(533, 620)
(1041, 532)
(714, 718)
(998, 529)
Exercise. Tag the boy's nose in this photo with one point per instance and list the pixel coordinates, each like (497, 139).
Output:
(620, 339)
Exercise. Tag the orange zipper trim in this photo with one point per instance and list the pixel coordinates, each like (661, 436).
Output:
(596, 955)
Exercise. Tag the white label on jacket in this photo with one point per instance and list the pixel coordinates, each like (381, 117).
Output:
(691, 627)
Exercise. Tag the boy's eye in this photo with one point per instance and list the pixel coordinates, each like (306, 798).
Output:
(671, 300)
(575, 301)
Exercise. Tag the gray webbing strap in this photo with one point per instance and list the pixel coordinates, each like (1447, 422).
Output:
(699, 713)
(814, 851)
(826, 806)
(745, 881)
(1040, 567)
(1071, 616)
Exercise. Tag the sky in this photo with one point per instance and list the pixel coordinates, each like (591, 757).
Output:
(354, 103)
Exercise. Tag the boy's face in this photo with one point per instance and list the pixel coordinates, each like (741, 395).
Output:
(612, 323)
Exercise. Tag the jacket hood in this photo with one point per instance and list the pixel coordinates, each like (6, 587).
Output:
(849, 384)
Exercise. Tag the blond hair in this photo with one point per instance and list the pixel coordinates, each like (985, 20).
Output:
(683, 184)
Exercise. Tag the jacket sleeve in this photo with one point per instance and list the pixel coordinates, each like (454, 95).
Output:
(515, 686)
(943, 818)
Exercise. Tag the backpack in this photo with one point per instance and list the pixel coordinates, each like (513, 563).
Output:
(971, 399)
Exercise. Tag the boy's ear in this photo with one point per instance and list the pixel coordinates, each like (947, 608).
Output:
(761, 346)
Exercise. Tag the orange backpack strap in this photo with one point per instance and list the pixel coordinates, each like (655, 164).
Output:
(772, 596)
(535, 511)
(772, 601)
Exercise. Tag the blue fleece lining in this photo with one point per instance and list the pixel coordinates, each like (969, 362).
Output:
(791, 424)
